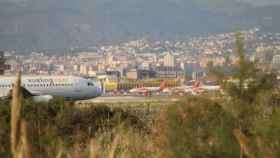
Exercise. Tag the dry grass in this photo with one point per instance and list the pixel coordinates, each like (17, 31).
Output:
(20, 145)
(122, 142)
(244, 144)
(26, 145)
(113, 148)
(15, 114)
(94, 149)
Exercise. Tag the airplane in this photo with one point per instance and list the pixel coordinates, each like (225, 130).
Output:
(146, 90)
(203, 87)
(196, 89)
(45, 88)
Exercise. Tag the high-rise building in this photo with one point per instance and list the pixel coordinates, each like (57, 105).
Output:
(3, 66)
(109, 59)
(84, 69)
(76, 67)
(276, 62)
(264, 54)
(169, 60)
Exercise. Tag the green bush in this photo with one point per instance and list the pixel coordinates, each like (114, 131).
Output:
(198, 127)
(5, 129)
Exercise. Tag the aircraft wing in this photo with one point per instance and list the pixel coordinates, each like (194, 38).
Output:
(26, 94)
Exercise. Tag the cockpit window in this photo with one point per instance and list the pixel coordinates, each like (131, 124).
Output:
(90, 84)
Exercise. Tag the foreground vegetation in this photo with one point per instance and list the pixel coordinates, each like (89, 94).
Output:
(192, 127)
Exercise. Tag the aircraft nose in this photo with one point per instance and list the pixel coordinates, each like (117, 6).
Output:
(99, 89)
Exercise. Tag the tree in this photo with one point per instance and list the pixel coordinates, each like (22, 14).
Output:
(245, 93)
(249, 80)
(227, 58)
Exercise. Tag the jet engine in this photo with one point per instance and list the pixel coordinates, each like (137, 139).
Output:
(42, 98)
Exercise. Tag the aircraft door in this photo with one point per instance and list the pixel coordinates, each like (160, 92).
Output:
(77, 85)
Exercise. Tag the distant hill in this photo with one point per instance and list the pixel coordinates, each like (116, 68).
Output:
(53, 24)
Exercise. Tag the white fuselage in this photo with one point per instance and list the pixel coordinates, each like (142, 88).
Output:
(144, 89)
(68, 87)
(211, 88)
(195, 89)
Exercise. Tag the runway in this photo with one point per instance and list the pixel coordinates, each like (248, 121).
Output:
(131, 99)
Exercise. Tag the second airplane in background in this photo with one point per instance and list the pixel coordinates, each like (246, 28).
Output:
(196, 89)
(147, 90)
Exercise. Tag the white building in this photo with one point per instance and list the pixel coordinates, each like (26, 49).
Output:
(169, 60)
(76, 67)
(84, 69)
(276, 62)
(109, 59)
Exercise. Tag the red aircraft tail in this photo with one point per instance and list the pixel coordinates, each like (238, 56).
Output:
(162, 86)
(197, 84)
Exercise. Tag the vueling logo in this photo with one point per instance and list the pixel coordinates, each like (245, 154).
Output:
(48, 80)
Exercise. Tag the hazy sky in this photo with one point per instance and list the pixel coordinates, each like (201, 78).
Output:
(262, 2)
(255, 2)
